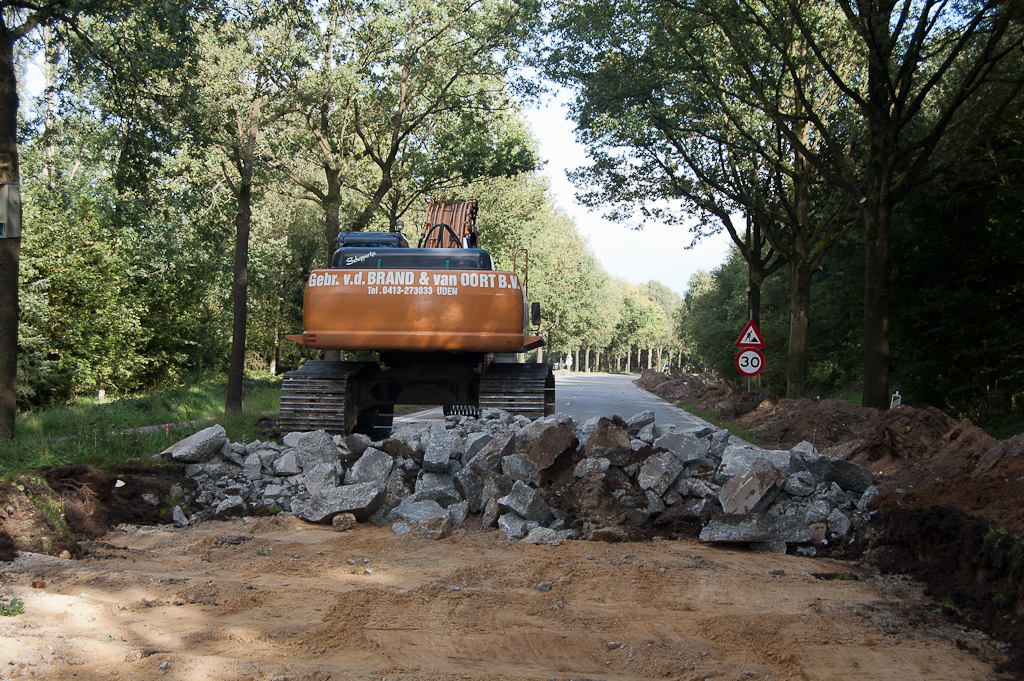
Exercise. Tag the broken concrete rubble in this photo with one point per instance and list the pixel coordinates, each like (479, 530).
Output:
(373, 466)
(686, 446)
(199, 447)
(360, 499)
(610, 440)
(752, 490)
(659, 472)
(550, 480)
(756, 528)
(527, 503)
(848, 475)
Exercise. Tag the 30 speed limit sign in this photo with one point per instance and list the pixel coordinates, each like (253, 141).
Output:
(750, 361)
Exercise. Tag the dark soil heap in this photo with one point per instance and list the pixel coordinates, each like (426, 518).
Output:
(44, 513)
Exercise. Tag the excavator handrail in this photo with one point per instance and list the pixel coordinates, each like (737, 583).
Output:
(526, 270)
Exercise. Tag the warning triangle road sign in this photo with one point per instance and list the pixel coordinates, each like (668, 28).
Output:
(750, 337)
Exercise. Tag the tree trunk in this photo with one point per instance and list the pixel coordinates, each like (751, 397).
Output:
(618, 363)
(759, 265)
(51, 55)
(10, 255)
(876, 206)
(332, 211)
(800, 270)
(597, 361)
(243, 158)
(754, 295)
(586, 360)
(10, 248)
(629, 358)
(799, 327)
(366, 216)
(876, 309)
(275, 355)
(576, 359)
(239, 297)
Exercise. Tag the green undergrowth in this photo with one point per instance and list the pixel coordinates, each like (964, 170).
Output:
(49, 504)
(712, 418)
(126, 431)
(12, 609)
(1010, 546)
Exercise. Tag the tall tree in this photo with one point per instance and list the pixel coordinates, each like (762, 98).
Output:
(402, 89)
(936, 74)
(641, 322)
(673, 134)
(17, 20)
(247, 62)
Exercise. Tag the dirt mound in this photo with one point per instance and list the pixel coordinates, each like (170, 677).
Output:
(729, 401)
(826, 423)
(973, 572)
(45, 512)
(26, 527)
(993, 491)
(95, 499)
(953, 455)
(906, 433)
(1003, 452)
(688, 388)
(906, 447)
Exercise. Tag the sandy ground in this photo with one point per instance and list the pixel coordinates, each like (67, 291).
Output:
(275, 598)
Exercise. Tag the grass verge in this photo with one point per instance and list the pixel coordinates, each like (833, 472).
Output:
(113, 433)
(712, 418)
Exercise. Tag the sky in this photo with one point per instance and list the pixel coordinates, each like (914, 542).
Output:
(656, 252)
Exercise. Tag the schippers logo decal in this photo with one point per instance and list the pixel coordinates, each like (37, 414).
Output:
(352, 259)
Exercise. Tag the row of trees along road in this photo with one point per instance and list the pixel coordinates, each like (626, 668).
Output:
(184, 170)
(183, 156)
(586, 311)
(806, 119)
(955, 316)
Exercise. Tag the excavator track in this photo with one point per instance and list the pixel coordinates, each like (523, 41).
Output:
(321, 396)
(527, 389)
(333, 396)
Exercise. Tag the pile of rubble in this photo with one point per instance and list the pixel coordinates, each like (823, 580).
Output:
(542, 481)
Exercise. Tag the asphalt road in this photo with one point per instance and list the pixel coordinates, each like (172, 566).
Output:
(584, 396)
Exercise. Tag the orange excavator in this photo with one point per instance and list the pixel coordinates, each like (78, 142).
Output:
(446, 324)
